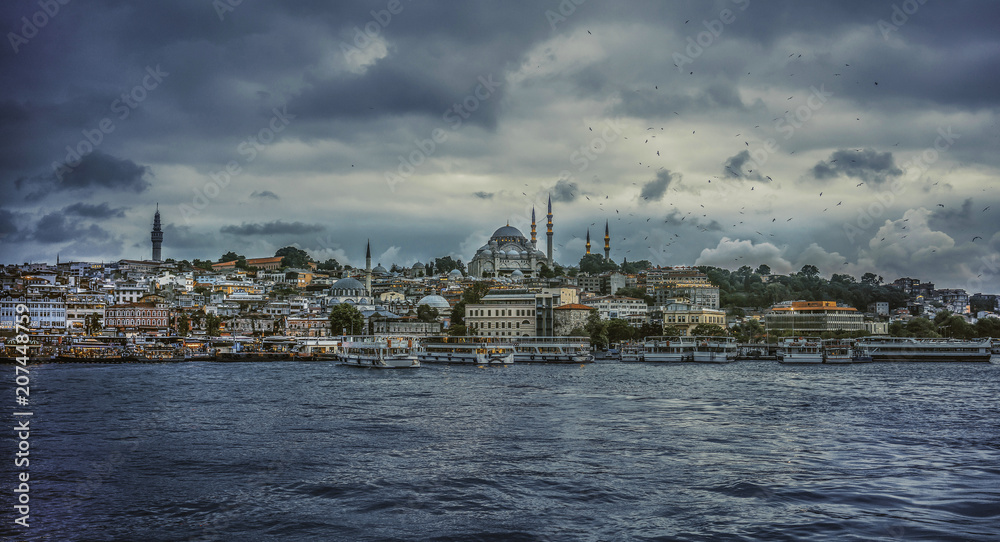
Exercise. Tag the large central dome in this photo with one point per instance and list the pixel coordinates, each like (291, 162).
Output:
(507, 233)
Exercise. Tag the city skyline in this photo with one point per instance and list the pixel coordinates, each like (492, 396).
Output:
(705, 134)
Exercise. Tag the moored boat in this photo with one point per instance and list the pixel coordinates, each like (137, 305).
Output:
(801, 351)
(662, 349)
(552, 350)
(715, 350)
(914, 349)
(630, 352)
(467, 350)
(837, 351)
(380, 352)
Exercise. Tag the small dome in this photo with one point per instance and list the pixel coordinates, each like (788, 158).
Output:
(517, 274)
(455, 273)
(513, 253)
(418, 265)
(380, 269)
(434, 302)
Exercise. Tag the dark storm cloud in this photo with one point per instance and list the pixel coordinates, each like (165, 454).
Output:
(676, 218)
(264, 194)
(102, 210)
(734, 167)
(972, 215)
(654, 190)
(58, 228)
(868, 165)
(8, 224)
(565, 191)
(484, 195)
(94, 170)
(277, 227)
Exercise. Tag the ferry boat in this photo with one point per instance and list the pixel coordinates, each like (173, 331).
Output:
(552, 350)
(379, 352)
(467, 350)
(715, 350)
(663, 349)
(630, 352)
(808, 350)
(838, 351)
(913, 349)
(860, 353)
(92, 350)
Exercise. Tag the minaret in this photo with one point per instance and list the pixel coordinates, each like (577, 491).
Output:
(588, 241)
(368, 268)
(607, 243)
(548, 235)
(156, 235)
(534, 238)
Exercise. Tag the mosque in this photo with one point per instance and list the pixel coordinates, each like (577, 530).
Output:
(509, 254)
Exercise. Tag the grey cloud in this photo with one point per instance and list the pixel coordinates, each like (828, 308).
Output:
(57, 228)
(655, 189)
(484, 195)
(102, 210)
(277, 227)
(565, 191)
(734, 167)
(868, 165)
(264, 194)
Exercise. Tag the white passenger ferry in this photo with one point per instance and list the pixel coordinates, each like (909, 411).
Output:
(552, 350)
(468, 350)
(631, 352)
(808, 350)
(668, 349)
(913, 349)
(715, 349)
(838, 351)
(379, 352)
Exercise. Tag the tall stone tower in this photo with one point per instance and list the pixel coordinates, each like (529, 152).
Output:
(588, 241)
(548, 236)
(156, 235)
(607, 243)
(368, 268)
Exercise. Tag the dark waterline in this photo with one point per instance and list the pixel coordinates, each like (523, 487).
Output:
(606, 451)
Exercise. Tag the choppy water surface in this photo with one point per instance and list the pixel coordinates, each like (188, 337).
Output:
(608, 451)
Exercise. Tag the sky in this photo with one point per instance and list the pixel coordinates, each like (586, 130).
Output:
(855, 136)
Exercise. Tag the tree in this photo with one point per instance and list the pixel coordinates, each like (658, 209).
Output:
(184, 325)
(595, 264)
(345, 319)
(635, 267)
(988, 327)
(446, 264)
(577, 332)
(871, 279)
(293, 257)
(329, 265)
(619, 330)
(230, 257)
(457, 331)
(212, 325)
(809, 271)
(763, 269)
(597, 329)
(471, 296)
(92, 324)
(749, 331)
(426, 313)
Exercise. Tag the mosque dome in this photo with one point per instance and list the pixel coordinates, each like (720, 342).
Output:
(455, 273)
(347, 284)
(434, 302)
(517, 274)
(418, 265)
(379, 269)
(507, 232)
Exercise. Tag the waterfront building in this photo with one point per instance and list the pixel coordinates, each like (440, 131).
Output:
(511, 313)
(812, 318)
(619, 306)
(133, 318)
(46, 310)
(681, 318)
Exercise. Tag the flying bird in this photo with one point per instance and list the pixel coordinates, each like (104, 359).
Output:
(976, 237)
